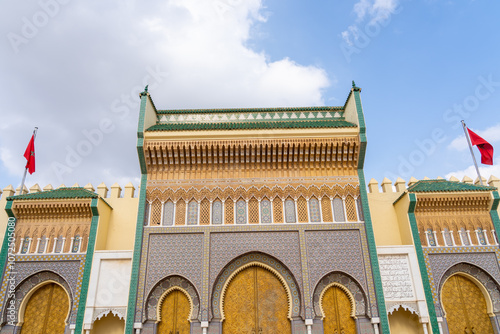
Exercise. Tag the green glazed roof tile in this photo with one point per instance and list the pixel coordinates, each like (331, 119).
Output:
(223, 110)
(427, 186)
(61, 193)
(252, 125)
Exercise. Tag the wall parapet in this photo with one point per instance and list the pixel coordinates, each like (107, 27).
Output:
(128, 191)
(400, 185)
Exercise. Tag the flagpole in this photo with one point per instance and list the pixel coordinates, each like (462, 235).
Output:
(472, 152)
(26, 169)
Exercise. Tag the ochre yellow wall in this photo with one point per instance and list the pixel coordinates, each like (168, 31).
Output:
(102, 229)
(384, 218)
(401, 208)
(404, 322)
(122, 222)
(110, 324)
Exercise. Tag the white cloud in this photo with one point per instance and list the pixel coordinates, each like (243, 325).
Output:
(92, 55)
(491, 135)
(369, 12)
(485, 171)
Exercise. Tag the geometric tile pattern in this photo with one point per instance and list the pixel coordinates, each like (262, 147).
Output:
(338, 209)
(440, 259)
(335, 251)
(241, 212)
(290, 211)
(265, 211)
(217, 212)
(314, 210)
(347, 282)
(152, 305)
(213, 248)
(68, 267)
(168, 214)
(166, 255)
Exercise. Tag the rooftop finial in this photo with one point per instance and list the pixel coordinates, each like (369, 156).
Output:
(145, 91)
(353, 84)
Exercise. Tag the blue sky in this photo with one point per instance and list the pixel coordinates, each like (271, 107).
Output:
(76, 73)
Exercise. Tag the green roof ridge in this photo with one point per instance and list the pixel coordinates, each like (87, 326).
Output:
(439, 185)
(60, 193)
(253, 125)
(230, 110)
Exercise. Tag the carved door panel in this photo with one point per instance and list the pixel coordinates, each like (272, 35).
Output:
(46, 311)
(272, 304)
(337, 310)
(465, 307)
(175, 314)
(255, 302)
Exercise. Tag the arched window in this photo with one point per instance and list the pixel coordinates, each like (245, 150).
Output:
(314, 213)
(464, 236)
(168, 214)
(265, 211)
(241, 212)
(216, 212)
(26, 245)
(192, 216)
(290, 211)
(76, 244)
(481, 237)
(338, 210)
(42, 244)
(447, 237)
(430, 238)
(59, 244)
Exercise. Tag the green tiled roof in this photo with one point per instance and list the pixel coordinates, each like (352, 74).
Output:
(427, 186)
(223, 110)
(61, 193)
(252, 125)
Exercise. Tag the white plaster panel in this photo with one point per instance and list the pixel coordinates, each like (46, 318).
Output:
(396, 278)
(114, 282)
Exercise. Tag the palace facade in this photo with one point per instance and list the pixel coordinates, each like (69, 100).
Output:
(252, 221)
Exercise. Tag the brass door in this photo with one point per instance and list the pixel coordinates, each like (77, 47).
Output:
(46, 311)
(256, 303)
(175, 314)
(337, 310)
(465, 307)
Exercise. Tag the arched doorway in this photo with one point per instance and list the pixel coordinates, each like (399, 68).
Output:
(174, 316)
(337, 311)
(256, 301)
(402, 320)
(46, 310)
(465, 306)
(109, 324)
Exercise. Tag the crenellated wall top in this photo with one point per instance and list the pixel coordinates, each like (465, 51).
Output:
(400, 185)
(103, 190)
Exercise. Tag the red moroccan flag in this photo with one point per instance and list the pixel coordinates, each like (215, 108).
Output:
(484, 147)
(29, 154)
